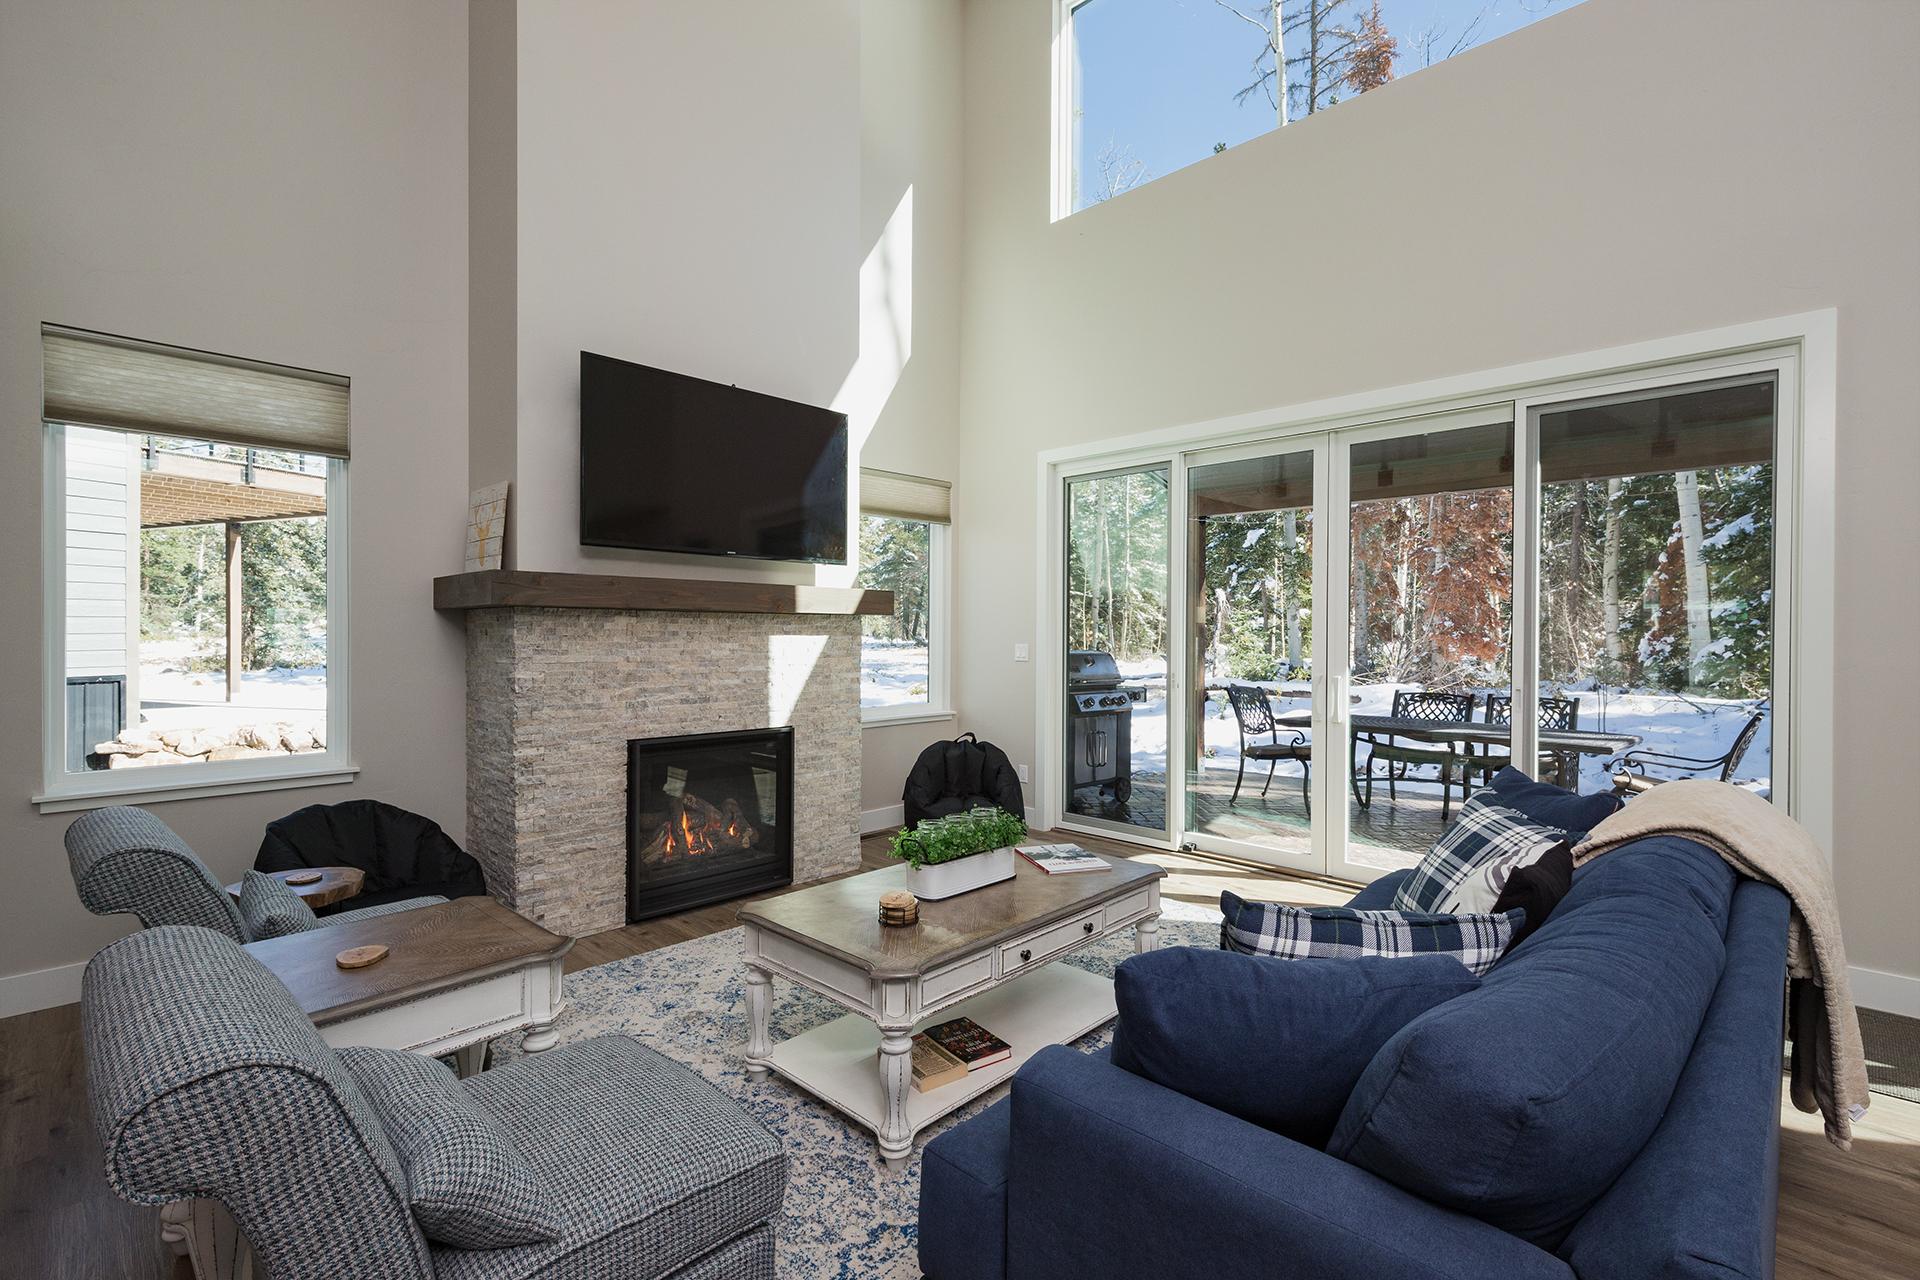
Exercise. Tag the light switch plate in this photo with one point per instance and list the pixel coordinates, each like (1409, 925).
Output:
(1023, 774)
(1020, 653)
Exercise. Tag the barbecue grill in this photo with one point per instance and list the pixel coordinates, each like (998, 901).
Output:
(1100, 724)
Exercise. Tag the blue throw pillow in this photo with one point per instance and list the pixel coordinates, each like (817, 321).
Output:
(1555, 806)
(1342, 933)
(1279, 1044)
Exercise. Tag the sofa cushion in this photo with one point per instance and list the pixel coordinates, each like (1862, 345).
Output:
(1521, 1102)
(468, 1184)
(963, 1198)
(269, 909)
(1555, 806)
(1342, 933)
(651, 1165)
(1279, 1043)
(1469, 864)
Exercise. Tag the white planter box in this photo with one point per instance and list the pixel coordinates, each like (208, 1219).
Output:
(945, 879)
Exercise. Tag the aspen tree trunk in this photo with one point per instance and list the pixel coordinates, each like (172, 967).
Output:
(1686, 487)
(1610, 577)
(1290, 533)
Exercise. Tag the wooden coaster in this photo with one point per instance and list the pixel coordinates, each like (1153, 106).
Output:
(305, 877)
(898, 907)
(361, 957)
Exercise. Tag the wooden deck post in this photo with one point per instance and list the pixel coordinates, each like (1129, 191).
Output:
(234, 612)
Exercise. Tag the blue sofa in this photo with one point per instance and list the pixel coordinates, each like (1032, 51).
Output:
(1659, 977)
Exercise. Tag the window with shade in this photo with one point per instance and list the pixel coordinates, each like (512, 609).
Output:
(195, 592)
(903, 549)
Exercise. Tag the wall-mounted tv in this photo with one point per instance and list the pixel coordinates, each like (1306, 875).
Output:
(674, 463)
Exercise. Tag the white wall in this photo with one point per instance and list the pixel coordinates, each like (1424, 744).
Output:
(1626, 170)
(907, 380)
(284, 182)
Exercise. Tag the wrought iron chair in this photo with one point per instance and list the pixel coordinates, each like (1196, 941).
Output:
(1428, 707)
(1629, 771)
(1254, 715)
(1555, 713)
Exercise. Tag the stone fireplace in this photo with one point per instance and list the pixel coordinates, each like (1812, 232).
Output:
(565, 671)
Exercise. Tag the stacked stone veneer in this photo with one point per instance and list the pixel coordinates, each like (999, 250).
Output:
(554, 695)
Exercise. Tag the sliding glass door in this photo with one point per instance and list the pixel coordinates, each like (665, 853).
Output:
(1117, 664)
(1249, 750)
(1307, 651)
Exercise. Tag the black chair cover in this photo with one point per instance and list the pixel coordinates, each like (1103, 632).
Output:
(403, 854)
(962, 774)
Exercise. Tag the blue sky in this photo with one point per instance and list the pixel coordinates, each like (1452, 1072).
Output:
(1158, 77)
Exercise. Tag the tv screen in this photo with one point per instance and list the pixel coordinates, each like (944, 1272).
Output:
(674, 463)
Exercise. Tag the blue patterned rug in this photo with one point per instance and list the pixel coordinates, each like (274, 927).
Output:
(845, 1215)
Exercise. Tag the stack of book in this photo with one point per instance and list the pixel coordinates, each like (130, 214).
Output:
(945, 1053)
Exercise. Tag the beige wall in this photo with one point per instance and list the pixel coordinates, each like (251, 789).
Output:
(1626, 170)
(909, 152)
(286, 182)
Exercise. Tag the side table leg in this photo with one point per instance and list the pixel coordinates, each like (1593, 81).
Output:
(470, 1061)
(1146, 935)
(759, 1039)
(540, 1037)
(896, 1075)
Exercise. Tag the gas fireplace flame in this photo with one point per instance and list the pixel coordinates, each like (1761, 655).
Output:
(692, 826)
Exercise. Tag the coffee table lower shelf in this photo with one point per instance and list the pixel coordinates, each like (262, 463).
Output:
(839, 1062)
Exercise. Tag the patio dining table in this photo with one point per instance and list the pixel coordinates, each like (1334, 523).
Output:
(1590, 742)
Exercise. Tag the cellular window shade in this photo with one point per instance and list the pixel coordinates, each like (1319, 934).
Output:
(98, 380)
(888, 493)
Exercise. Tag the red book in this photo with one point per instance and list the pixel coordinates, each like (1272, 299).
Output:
(970, 1042)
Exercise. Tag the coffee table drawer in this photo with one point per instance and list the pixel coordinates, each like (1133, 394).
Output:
(961, 976)
(1036, 948)
(1131, 905)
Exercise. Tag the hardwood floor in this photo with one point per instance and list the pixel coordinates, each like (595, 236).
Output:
(1841, 1214)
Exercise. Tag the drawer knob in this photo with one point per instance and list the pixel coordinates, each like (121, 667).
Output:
(1025, 956)
(1087, 927)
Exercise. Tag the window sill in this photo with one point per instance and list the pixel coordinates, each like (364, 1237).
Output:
(880, 717)
(141, 786)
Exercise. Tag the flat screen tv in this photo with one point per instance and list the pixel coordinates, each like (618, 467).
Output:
(674, 463)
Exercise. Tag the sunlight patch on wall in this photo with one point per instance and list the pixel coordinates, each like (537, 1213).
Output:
(790, 664)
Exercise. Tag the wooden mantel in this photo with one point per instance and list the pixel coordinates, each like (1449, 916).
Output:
(530, 589)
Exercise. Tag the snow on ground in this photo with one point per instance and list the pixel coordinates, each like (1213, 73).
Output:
(172, 697)
(1667, 722)
(892, 672)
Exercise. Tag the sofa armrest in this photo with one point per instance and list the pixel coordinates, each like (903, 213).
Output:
(1113, 1175)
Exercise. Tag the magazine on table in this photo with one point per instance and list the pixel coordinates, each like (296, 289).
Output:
(1061, 859)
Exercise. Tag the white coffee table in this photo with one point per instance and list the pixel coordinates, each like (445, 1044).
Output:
(984, 955)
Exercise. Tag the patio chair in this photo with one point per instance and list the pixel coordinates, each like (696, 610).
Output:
(1629, 771)
(1254, 715)
(1555, 713)
(125, 859)
(1427, 707)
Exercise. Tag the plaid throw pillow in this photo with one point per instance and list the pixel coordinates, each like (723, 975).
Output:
(1301, 933)
(1469, 865)
(269, 909)
(470, 1186)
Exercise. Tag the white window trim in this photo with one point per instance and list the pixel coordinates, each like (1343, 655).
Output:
(939, 703)
(64, 792)
(1805, 511)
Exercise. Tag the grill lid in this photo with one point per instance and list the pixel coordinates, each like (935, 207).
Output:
(1092, 669)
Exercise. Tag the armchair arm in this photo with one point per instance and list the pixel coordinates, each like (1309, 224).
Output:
(1113, 1175)
(384, 909)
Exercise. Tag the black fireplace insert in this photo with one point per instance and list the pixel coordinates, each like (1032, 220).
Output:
(709, 817)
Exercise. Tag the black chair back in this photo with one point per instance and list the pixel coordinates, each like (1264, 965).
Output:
(1251, 709)
(1555, 713)
(1431, 707)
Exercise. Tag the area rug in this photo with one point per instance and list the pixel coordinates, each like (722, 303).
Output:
(845, 1216)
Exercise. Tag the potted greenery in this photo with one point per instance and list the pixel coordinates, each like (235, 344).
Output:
(962, 851)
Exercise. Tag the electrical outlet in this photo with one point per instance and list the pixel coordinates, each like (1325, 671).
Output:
(1020, 653)
(1022, 770)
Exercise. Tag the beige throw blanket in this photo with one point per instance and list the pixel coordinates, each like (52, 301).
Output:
(1762, 842)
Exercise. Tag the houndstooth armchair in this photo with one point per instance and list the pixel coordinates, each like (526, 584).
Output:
(207, 1082)
(125, 859)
